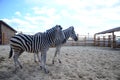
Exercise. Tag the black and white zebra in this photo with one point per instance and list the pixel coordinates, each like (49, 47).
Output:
(60, 39)
(34, 44)
(69, 32)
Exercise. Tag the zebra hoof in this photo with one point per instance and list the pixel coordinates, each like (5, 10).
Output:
(16, 70)
(21, 66)
(40, 67)
(46, 71)
(59, 61)
(39, 61)
(52, 62)
(35, 61)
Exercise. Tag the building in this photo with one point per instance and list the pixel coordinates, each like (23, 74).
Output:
(111, 38)
(6, 32)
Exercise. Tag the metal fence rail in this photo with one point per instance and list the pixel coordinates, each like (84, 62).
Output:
(100, 41)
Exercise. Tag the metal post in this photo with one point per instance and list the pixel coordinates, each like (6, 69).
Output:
(114, 40)
(94, 39)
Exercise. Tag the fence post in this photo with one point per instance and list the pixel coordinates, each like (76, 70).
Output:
(85, 40)
(104, 41)
(113, 41)
(94, 39)
(109, 40)
(98, 41)
(77, 42)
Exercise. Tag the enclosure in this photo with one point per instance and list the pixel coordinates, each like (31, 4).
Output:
(78, 63)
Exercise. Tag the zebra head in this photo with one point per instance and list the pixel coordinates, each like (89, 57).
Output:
(60, 35)
(72, 33)
(54, 33)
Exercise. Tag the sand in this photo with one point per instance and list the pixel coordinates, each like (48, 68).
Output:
(78, 63)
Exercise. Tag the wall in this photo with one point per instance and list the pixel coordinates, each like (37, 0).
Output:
(7, 33)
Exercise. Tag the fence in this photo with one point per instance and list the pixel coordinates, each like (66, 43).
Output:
(83, 40)
(103, 41)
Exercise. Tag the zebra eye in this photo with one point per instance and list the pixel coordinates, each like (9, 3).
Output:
(72, 32)
(60, 27)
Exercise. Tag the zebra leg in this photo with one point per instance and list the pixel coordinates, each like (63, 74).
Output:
(35, 57)
(15, 57)
(15, 61)
(57, 53)
(43, 62)
(38, 57)
(54, 56)
(58, 56)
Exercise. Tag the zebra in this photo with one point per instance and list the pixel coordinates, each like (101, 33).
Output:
(34, 44)
(60, 39)
(69, 32)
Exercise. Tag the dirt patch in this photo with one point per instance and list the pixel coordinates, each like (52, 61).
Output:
(78, 63)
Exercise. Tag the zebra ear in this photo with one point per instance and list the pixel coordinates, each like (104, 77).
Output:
(72, 28)
(59, 26)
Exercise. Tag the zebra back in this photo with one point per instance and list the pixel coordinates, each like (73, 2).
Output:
(37, 42)
(46, 39)
(22, 41)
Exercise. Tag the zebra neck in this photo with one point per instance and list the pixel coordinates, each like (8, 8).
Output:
(50, 39)
(67, 35)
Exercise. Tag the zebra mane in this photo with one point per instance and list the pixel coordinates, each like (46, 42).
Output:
(49, 30)
(72, 28)
(53, 28)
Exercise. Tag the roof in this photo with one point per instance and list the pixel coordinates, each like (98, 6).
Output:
(8, 26)
(110, 30)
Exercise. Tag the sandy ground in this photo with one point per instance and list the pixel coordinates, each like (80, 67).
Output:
(78, 63)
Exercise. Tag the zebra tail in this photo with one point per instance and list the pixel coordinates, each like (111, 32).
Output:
(11, 53)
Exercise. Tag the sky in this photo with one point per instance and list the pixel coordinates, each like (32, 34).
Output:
(87, 16)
